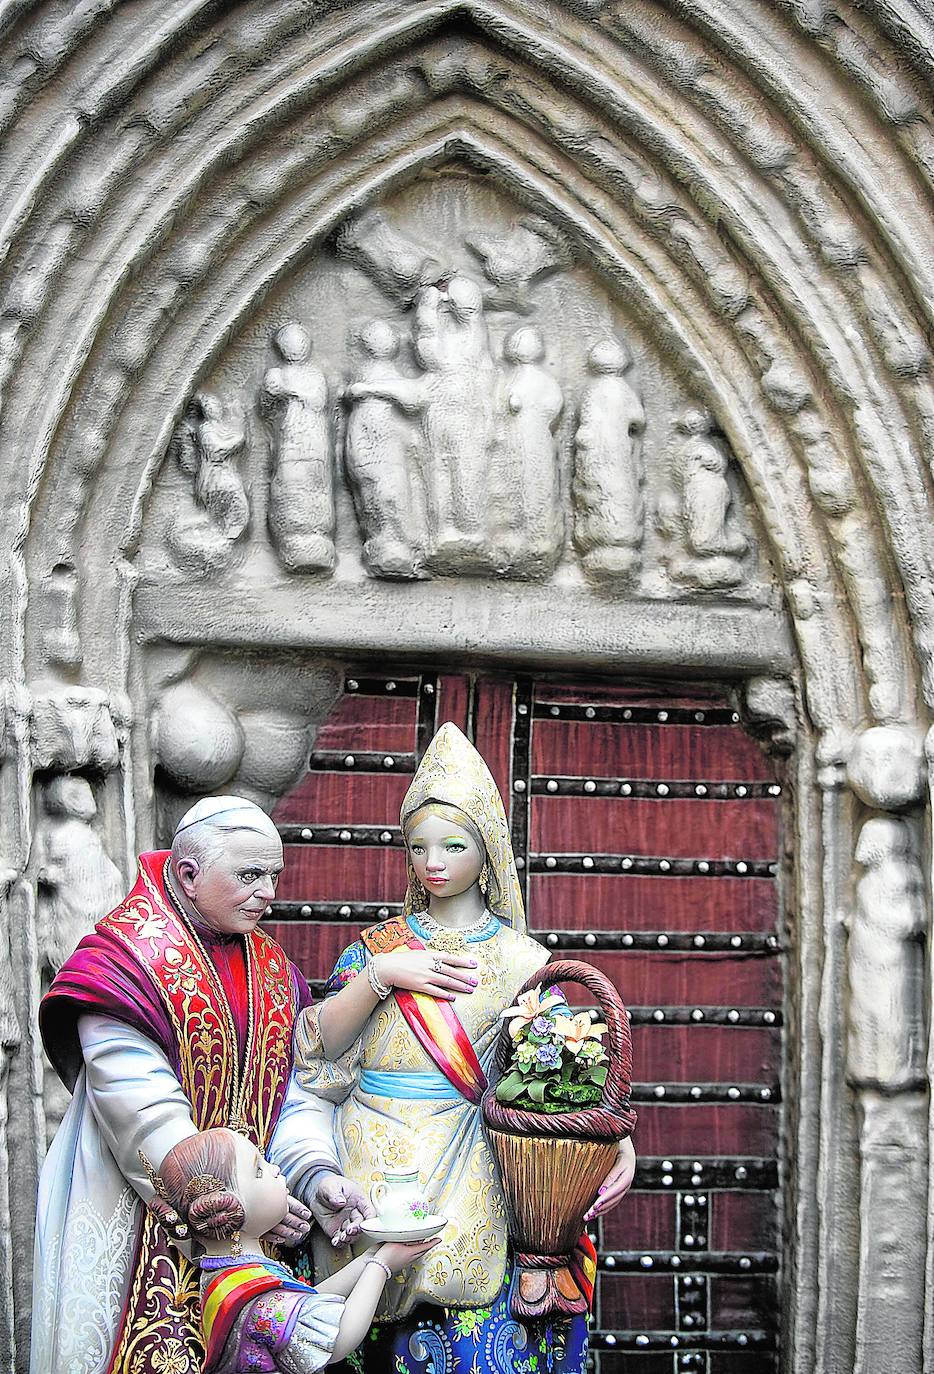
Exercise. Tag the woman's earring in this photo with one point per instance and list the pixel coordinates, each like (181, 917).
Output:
(235, 1248)
(484, 879)
(419, 894)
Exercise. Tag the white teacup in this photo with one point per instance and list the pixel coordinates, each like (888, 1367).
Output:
(400, 1200)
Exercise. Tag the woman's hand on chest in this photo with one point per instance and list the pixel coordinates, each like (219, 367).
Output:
(425, 970)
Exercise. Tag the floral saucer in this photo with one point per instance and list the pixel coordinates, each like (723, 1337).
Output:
(376, 1229)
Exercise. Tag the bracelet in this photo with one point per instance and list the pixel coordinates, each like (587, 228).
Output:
(376, 983)
(385, 1267)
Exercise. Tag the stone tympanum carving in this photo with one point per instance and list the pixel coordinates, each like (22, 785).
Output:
(886, 1047)
(608, 505)
(294, 401)
(380, 454)
(696, 513)
(526, 488)
(208, 446)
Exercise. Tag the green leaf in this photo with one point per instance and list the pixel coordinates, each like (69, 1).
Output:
(509, 1088)
(535, 1091)
(598, 1075)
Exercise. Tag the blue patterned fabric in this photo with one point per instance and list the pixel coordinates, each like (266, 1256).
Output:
(473, 1340)
(352, 961)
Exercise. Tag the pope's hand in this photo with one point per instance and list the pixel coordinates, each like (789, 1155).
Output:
(294, 1226)
(617, 1182)
(339, 1207)
(424, 970)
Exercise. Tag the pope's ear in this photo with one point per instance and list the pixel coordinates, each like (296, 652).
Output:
(187, 870)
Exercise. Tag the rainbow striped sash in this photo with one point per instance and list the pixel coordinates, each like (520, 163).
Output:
(226, 1294)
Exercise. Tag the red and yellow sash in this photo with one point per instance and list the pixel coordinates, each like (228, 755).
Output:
(162, 1307)
(434, 1023)
(224, 1298)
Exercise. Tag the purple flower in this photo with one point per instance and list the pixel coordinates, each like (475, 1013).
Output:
(548, 1056)
(542, 1026)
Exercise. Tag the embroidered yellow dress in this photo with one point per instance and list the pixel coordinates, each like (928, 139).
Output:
(395, 1108)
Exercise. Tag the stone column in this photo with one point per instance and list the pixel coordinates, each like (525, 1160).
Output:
(886, 1035)
(54, 732)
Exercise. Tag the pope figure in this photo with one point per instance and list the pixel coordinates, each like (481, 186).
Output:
(175, 1016)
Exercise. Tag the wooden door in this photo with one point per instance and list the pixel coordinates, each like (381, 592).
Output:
(647, 832)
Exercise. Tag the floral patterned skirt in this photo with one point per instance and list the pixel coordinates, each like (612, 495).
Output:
(471, 1340)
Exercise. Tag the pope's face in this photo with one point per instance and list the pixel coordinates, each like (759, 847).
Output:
(232, 893)
(444, 855)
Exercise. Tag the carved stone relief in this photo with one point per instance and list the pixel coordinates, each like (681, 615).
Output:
(886, 1064)
(696, 512)
(886, 1047)
(216, 512)
(478, 407)
(525, 488)
(294, 399)
(608, 475)
(76, 727)
(233, 723)
(381, 460)
(77, 883)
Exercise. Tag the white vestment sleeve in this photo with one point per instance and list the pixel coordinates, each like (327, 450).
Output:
(303, 1142)
(134, 1094)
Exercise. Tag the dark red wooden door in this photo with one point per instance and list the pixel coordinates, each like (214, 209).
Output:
(647, 830)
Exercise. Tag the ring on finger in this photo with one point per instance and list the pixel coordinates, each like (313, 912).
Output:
(437, 965)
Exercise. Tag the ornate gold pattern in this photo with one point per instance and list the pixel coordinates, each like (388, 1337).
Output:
(201, 1185)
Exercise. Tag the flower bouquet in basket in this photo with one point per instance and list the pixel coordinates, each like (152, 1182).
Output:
(555, 1111)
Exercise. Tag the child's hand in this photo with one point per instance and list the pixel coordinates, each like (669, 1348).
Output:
(399, 1254)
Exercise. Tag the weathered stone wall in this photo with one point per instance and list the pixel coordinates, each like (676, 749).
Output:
(581, 333)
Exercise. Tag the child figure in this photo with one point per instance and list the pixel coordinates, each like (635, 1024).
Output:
(255, 1314)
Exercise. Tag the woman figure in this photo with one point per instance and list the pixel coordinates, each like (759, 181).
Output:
(408, 1072)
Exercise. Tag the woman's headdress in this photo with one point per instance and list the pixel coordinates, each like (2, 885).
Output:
(453, 773)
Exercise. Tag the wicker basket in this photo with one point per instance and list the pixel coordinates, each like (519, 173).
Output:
(552, 1164)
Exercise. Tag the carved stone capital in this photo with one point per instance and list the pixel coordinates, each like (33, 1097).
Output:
(886, 767)
(76, 727)
(770, 707)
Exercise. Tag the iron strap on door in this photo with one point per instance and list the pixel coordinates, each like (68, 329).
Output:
(646, 827)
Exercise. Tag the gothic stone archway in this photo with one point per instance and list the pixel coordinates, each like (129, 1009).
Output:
(740, 198)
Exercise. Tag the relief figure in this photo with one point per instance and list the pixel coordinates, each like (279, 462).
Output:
(294, 401)
(886, 1043)
(526, 253)
(454, 398)
(208, 445)
(379, 455)
(697, 514)
(608, 474)
(78, 883)
(395, 260)
(525, 489)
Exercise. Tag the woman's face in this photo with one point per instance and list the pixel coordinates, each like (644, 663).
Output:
(445, 856)
(261, 1188)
